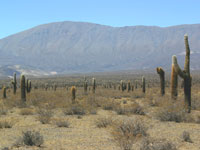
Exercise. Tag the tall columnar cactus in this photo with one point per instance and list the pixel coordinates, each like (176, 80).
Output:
(161, 73)
(27, 86)
(129, 86)
(93, 85)
(136, 84)
(122, 85)
(4, 92)
(132, 88)
(143, 84)
(23, 88)
(185, 74)
(14, 83)
(174, 80)
(73, 93)
(85, 86)
(54, 86)
(119, 87)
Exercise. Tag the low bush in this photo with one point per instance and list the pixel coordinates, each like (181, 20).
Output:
(127, 132)
(103, 122)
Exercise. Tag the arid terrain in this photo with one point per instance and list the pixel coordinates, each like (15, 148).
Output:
(109, 119)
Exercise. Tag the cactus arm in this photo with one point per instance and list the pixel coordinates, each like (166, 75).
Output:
(174, 83)
(187, 56)
(178, 70)
(161, 73)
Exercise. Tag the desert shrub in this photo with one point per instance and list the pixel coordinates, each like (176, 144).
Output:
(138, 95)
(124, 101)
(175, 116)
(198, 119)
(103, 122)
(5, 148)
(75, 110)
(93, 111)
(62, 123)
(175, 112)
(186, 137)
(3, 110)
(195, 102)
(5, 124)
(79, 117)
(127, 131)
(109, 105)
(30, 138)
(26, 111)
(44, 115)
(151, 144)
(130, 109)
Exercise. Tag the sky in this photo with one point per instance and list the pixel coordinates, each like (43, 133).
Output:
(19, 15)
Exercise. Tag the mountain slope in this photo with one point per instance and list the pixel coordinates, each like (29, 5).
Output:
(85, 47)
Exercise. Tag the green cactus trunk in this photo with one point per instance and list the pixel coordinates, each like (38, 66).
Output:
(23, 88)
(136, 84)
(129, 86)
(29, 86)
(85, 86)
(161, 73)
(185, 74)
(143, 85)
(174, 81)
(14, 83)
(122, 85)
(93, 85)
(73, 93)
(4, 92)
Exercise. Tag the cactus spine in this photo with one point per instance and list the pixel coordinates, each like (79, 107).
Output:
(4, 92)
(14, 82)
(143, 84)
(185, 74)
(161, 73)
(73, 93)
(23, 88)
(93, 85)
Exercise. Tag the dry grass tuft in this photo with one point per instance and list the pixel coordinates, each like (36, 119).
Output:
(151, 144)
(62, 123)
(26, 111)
(174, 112)
(103, 122)
(44, 115)
(30, 138)
(186, 137)
(3, 110)
(127, 132)
(130, 109)
(75, 109)
(5, 124)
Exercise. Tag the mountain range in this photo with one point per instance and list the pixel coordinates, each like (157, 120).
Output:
(80, 47)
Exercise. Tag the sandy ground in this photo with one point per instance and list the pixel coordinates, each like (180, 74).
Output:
(83, 133)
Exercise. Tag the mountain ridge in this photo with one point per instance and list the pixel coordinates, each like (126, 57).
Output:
(66, 47)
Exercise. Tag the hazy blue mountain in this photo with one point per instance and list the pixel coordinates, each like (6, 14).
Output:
(67, 47)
